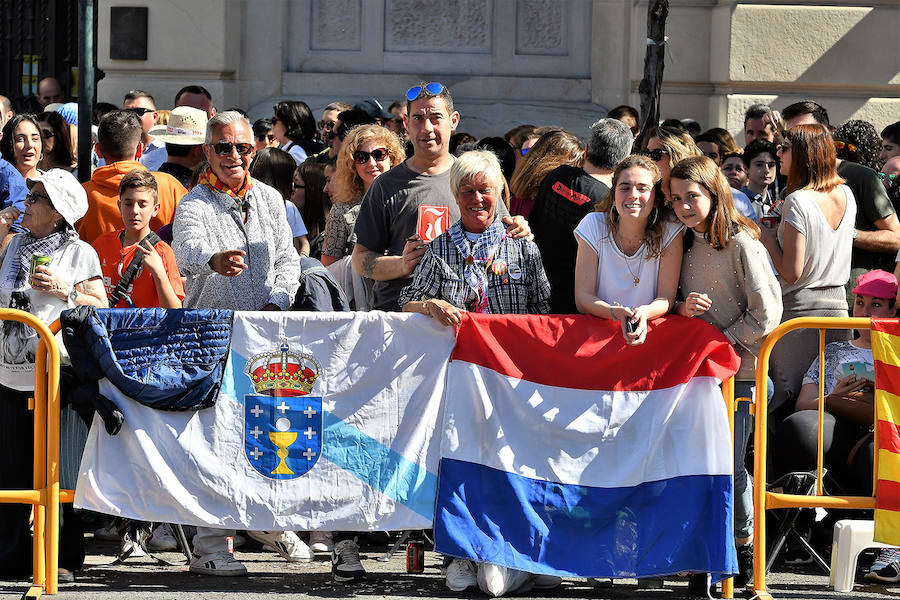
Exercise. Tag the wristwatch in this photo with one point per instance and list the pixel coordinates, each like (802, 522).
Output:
(73, 293)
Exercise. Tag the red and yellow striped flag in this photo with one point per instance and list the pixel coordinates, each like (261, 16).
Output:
(886, 352)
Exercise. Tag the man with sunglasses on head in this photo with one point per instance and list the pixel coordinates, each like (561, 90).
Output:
(119, 145)
(412, 204)
(233, 243)
(153, 152)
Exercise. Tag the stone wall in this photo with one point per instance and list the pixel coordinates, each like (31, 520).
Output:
(512, 61)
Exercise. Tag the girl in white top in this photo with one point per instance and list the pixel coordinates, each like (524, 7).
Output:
(629, 252)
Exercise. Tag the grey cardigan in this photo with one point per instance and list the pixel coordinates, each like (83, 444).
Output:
(208, 221)
(745, 294)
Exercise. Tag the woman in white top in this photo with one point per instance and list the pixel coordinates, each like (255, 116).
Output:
(629, 252)
(810, 250)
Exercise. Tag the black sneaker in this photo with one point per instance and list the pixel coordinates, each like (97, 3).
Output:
(888, 574)
(345, 565)
(745, 565)
(700, 585)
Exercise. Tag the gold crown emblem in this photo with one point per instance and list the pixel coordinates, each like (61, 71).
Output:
(282, 373)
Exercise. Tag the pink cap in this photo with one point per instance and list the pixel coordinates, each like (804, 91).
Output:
(876, 283)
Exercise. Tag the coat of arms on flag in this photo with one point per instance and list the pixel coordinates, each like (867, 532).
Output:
(282, 422)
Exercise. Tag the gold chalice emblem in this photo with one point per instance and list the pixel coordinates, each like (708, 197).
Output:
(282, 439)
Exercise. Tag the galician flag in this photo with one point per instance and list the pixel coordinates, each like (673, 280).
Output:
(326, 421)
(567, 452)
(886, 352)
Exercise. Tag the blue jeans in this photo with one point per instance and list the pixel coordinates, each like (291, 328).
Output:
(743, 484)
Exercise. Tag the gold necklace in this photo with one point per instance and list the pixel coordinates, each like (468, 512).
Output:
(635, 278)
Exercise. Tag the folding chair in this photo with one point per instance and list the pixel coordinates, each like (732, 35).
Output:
(802, 483)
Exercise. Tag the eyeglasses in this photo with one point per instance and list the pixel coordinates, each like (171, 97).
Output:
(139, 110)
(430, 89)
(225, 148)
(47, 133)
(840, 145)
(32, 198)
(656, 154)
(887, 179)
(298, 186)
(362, 157)
(327, 125)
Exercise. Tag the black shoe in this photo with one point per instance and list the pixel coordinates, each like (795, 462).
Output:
(888, 574)
(345, 565)
(65, 576)
(745, 565)
(699, 585)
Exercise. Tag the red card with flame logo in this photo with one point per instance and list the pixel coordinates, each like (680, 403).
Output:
(433, 221)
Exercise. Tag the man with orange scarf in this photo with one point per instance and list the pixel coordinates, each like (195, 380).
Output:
(233, 243)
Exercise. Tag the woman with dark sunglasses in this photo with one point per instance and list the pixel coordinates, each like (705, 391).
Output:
(666, 146)
(57, 142)
(366, 152)
(295, 127)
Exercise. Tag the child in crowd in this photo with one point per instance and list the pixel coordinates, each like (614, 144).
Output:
(734, 170)
(139, 271)
(725, 266)
(761, 163)
(156, 281)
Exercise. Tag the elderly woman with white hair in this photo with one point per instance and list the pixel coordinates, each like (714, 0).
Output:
(475, 266)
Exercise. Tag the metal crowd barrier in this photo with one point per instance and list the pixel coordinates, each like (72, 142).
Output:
(44, 496)
(764, 500)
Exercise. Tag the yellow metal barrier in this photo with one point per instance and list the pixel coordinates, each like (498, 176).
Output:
(764, 500)
(45, 495)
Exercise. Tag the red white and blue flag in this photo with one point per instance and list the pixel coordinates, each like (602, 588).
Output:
(567, 452)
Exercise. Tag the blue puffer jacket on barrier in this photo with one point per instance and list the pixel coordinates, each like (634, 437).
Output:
(165, 359)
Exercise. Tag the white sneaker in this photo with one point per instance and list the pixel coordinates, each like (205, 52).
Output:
(129, 548)
(162, 539)
(107, 533)
(285, 543)
(320, 541)
(461, 575)
(497, 581)
(220, 564)
(547, 582)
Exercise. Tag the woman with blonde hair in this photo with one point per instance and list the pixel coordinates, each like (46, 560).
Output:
(554, 147)
(367, 152)
(629, 252)
(726, 281)
(810, 249)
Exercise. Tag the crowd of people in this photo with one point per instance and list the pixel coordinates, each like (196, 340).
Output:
(400, 210)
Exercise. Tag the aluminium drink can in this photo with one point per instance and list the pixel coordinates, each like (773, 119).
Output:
(415, 556)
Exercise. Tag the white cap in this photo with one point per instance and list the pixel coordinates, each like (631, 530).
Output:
(66, 195)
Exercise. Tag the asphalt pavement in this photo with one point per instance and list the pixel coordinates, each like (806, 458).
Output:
(273, 578)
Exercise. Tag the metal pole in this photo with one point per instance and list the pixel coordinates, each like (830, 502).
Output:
(85, 86)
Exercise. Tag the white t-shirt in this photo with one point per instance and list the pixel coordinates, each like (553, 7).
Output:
(616, 273)
(298, 227)
(826, 260)
(75, 262)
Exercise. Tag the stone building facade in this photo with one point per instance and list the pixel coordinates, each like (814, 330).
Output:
(512, 61)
